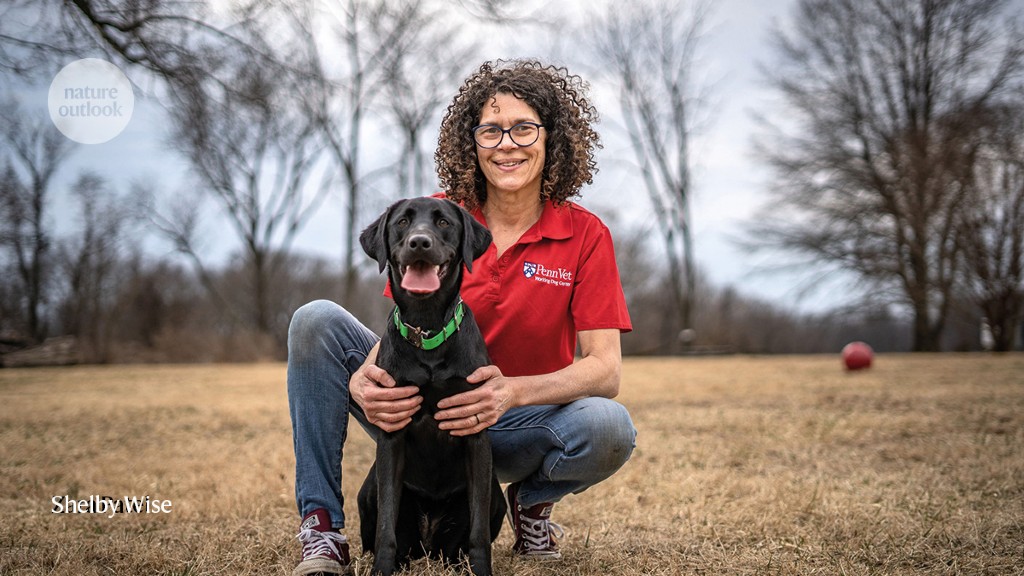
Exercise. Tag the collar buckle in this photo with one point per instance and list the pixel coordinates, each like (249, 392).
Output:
(416, 335)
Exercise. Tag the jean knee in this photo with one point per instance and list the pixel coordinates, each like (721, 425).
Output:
(309, 326)
(611, 434)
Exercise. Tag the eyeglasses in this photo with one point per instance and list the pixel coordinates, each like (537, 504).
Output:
(523, 134)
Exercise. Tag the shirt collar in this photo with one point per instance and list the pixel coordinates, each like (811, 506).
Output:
(555, 223)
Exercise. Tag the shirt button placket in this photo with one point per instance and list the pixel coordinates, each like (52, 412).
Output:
(499, 271)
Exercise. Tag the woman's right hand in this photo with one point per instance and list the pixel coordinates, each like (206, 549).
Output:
(386, 406)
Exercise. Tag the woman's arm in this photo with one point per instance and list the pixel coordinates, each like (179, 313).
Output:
(596, 373)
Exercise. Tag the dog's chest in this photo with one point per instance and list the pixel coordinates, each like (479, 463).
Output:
(435, 461)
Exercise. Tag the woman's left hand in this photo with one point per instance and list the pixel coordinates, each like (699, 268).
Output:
(474, 411)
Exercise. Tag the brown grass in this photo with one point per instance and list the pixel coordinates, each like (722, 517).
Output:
(781, 465)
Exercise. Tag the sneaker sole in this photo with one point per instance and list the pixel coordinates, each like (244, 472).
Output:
(320, 566)
(552, 557)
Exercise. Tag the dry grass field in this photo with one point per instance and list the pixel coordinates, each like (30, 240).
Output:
(780, 465)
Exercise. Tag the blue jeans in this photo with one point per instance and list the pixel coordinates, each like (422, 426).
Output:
(552, 450)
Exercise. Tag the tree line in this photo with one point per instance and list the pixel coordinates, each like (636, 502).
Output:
(901, 165)
(902, 159)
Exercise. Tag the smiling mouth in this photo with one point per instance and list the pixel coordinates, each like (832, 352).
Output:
(422, 277)
(510, 163)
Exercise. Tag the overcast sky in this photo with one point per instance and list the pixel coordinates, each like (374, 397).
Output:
(730, 184)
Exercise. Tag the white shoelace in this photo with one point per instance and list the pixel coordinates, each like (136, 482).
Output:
(316, 543)
(536, 533)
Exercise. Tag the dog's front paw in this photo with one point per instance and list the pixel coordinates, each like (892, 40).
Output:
(382, 567)
(480, 563)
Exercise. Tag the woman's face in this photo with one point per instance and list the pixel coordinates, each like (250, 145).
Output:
(509, 167)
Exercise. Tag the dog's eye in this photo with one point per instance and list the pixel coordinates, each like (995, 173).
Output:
(403, 222)
(442, 223)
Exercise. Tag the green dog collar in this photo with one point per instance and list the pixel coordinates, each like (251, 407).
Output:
(421, 338)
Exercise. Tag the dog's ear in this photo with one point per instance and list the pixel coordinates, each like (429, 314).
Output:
(374, 239)
(475, 238)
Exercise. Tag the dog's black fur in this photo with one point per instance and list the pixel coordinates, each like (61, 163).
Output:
(430, 493)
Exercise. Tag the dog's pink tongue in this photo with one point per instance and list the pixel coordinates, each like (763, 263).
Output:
(421, 278)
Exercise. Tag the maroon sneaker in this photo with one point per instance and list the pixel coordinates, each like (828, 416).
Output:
(324, 549)
(533, 528)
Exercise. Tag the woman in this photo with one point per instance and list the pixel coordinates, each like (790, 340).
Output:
(515, 146)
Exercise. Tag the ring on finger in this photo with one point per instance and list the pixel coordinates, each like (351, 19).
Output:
(477, 416)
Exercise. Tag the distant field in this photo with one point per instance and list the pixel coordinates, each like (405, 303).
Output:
(745, 465)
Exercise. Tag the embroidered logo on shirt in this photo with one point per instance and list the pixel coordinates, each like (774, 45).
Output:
(553, 276)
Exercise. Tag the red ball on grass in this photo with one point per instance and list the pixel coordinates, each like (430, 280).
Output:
(857, 356)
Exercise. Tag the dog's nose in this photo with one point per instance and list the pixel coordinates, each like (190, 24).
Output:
(420, 242)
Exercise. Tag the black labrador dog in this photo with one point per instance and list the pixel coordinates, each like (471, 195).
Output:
(429, 493)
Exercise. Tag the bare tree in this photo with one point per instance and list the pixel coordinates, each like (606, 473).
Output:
(91, 260)
(382, 70)
(870, 173)
(256, 152)
(12, 302)
(418, 80)
(992, 225)
(34, 151)
(647, 50)
(504, 12)
(366, 34)
(170, 39)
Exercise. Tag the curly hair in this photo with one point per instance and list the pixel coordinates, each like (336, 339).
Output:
(566, 113)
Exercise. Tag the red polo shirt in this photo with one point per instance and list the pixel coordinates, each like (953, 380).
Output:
(558, 279)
